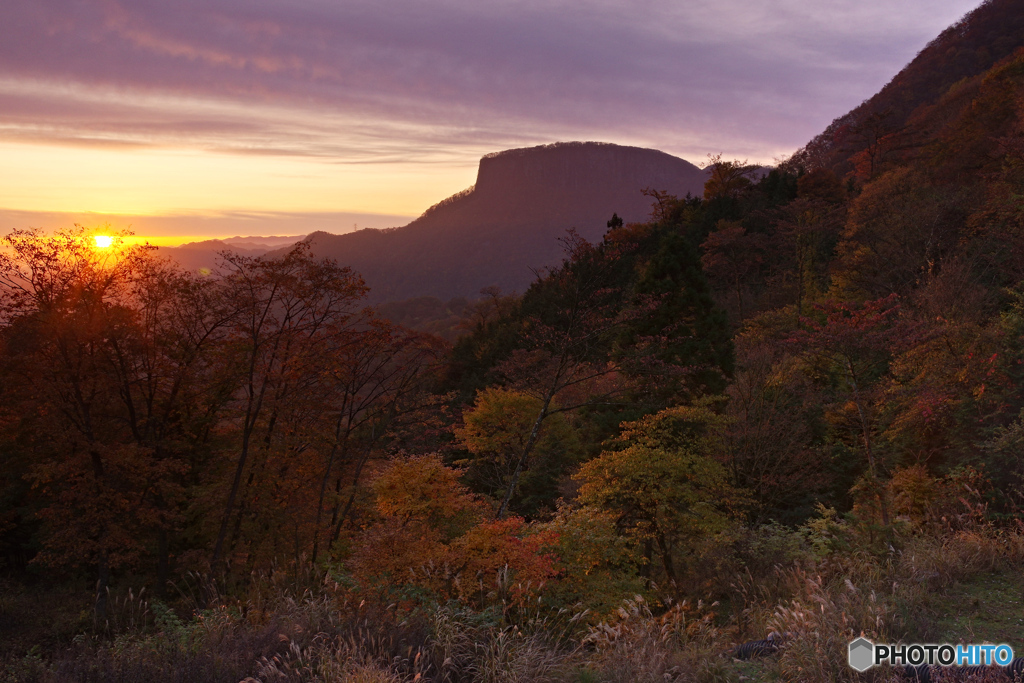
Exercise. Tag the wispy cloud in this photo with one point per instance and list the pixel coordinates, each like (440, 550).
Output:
(415, 81)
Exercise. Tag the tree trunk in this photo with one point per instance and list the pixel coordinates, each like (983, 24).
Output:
(666, 558)
(866, 435)
(102, 585)
(235, 484)
(323, 489)
(645, 569)
(163, 563)
(523, 458)
(352, 496)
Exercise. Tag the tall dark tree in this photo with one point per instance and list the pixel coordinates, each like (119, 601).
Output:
(288, 311)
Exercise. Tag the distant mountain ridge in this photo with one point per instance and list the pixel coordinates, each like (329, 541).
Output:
(260, 241)
(205, 255)
(507, 225)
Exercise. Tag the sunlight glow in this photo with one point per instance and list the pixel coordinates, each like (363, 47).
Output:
(160, 182)
(103, 241)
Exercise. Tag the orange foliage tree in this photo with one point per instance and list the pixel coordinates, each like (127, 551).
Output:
(434, 539)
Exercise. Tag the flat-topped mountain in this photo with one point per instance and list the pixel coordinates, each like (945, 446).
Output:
(509, 223)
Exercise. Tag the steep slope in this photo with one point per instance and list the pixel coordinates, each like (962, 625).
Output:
(509, 223)
(947, 206)
(859, 141)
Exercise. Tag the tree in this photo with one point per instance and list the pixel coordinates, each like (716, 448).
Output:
(727, 179)
(621, 328)
(372, 384)
(567, 331)
(854, 344)
(900, 230)
(669, 497)
(731, 258)
(288, 310)
(494, 432)
(949, 391)
(77, 343)
(874, 135)
(432, 534)
(806, 231)
(676, 341)
(772, 441)
(596, 565)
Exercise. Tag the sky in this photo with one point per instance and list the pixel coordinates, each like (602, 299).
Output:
(190, 118)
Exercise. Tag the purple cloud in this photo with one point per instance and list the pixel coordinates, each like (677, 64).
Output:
(407, 80)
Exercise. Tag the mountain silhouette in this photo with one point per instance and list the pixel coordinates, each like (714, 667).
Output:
(509, 224)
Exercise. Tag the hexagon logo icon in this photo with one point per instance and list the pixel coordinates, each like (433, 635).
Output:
(862, 654)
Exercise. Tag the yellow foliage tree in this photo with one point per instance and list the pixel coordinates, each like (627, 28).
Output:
(670, 497)
(496, 430)
(596, 565)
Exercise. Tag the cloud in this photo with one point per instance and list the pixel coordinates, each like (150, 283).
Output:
(203, 225)
(422, 82)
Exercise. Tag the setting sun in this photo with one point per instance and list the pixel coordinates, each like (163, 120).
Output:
(103, 241)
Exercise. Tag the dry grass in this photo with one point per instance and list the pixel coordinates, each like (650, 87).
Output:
(286, 630)
(329, 661)
(683, 644)
(818, 607)
(819, 623)
(941, 561)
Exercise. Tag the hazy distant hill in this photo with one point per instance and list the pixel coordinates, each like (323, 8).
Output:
(256, 242)
(990, 33)
(510, 221)
(205, 254)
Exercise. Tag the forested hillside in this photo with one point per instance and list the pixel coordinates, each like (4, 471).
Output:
(792, 405)
(879, 126)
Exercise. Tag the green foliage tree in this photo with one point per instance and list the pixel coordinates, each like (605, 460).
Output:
(596, 565)
(682, 332)
(495, 432)
(668, 495)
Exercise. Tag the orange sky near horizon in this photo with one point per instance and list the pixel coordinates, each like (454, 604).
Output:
(155, 182)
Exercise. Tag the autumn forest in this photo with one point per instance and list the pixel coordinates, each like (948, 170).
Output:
(789, 409)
